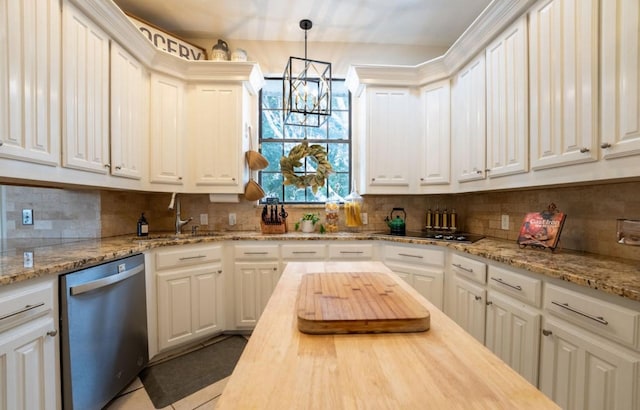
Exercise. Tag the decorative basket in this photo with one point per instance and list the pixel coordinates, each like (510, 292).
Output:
(273, 228)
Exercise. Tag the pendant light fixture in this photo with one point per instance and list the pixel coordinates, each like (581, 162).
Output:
(306, 88)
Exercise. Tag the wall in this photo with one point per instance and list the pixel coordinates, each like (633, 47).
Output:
(591, 211)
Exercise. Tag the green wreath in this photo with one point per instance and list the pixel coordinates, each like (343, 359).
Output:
(318, 154)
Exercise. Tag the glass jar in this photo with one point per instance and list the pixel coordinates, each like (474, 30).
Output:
(353, 209)
(332, 211)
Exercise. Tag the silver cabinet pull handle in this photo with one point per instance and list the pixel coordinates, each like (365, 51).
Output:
(605, 145)
(457, 265)
(411, 256)
(598, 319)
(477, 297)
(547, 332)
(500, 281)
(255, 253)
(21, 311)
(347, 252)
(107, 165)
(585, 149)
(52, 333)
(304, 252)
(185, 258)
(489, 303)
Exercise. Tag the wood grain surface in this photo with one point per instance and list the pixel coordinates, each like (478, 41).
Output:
(443, 368)
(357, 302)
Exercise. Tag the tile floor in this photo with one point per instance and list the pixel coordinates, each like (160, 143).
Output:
(135, 397)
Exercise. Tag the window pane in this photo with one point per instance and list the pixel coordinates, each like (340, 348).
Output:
(271, 184)
(338, 155)
(339, 184)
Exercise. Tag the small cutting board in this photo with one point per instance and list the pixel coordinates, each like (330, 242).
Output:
(357, 303)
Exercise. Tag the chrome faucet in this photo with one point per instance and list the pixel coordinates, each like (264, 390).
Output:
(175, 203)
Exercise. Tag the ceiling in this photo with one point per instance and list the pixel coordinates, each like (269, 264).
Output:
(435, 23)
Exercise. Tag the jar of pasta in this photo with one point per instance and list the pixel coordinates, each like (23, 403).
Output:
(332, 212)
(353, 209)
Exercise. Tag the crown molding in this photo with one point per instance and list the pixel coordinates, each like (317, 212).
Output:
(120, 29)
(495, 18)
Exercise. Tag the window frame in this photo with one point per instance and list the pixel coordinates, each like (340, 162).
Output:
(309, 196)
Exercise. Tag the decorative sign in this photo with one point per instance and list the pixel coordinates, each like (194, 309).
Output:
(542, 229)
(168, 42)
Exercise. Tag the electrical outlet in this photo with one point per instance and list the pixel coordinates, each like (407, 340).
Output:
(504, 223)
(365, 218)
(232, 219)
(204, 219)
(28, 259)
(27, 217)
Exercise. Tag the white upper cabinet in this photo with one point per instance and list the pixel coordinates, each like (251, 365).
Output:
(563, 85)
(390, 136)
(129, 116)
(217, 136)
(435, 140)
(469, 121)
(167, 134)
(620, 81)
(507, 102)
(85, 80)
(30, 80)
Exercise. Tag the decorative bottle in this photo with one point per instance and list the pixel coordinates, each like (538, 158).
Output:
(143, 226)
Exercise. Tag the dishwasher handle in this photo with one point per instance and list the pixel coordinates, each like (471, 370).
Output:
(106, 281)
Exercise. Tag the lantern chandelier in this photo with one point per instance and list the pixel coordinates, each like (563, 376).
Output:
(306, 88)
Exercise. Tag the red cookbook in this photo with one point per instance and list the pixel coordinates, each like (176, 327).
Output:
(542, 229)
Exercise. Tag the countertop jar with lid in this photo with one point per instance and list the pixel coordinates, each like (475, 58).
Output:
(332, 212)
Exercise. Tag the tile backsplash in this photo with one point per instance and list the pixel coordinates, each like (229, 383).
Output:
(591, 211)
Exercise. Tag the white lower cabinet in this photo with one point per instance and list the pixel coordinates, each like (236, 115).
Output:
(420, 266)
(29, 369)
(470, 312)
(256, 272)
(512, 333)
(189, 294)
(580, 370)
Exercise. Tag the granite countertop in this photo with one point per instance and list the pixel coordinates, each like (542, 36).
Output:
(52, 257)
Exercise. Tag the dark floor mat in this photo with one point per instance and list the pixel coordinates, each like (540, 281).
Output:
(177, 378)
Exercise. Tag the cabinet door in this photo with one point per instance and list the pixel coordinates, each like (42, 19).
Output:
(30, 80)
(167, 129)
(254, 284)
(563, 84)
(85, 81)
(390, 137)
(512, 333)
(128, 114)
(507, 102)
(469, 311)
(620, 63)
(187, 304)
(470, 121)
(579, 370)
(28, 370)
(429, 283)
(216, 133)
(434, 152)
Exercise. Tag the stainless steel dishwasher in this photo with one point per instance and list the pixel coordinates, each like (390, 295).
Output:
(103, 325)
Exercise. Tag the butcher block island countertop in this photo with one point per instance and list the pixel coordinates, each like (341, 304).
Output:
(442, 368)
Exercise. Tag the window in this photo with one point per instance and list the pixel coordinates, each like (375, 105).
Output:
(277, 139)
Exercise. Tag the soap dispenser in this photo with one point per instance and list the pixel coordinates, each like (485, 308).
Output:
(143, 226)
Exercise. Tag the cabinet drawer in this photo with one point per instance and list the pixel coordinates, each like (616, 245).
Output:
(21, 303)
(187, 255)
(415, 255)
(306, 251)
(351, 251)
(256, 252)
(521, 287)
(611, 321)
(469, 268)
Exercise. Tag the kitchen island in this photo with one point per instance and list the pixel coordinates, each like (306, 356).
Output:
(443, 367)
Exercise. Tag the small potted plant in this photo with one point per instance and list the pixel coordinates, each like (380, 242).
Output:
(307, 223)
